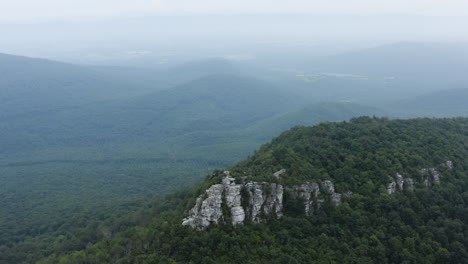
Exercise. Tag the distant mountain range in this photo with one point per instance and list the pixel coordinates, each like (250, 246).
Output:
(78, 138)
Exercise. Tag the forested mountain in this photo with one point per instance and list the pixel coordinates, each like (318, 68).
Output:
(29, 87)
(402, 188)
(83, 147)
(97, 155)
(451, 102)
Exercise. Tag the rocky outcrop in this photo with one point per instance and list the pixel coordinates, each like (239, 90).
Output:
(253, 201)
(408, 184)
(391, 187)
(309, 191)
(263, 199)
(328, 186)
(448, 164)
(430, 176)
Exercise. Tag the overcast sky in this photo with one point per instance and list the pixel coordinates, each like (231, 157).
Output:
(27, 10)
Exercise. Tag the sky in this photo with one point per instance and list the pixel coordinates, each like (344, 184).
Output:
(33, 10)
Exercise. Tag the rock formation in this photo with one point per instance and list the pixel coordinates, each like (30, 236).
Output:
(308, 191)
(279, 173)
(254, 201)
(430, 176)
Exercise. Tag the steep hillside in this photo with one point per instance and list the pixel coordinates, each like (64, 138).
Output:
(366, 191)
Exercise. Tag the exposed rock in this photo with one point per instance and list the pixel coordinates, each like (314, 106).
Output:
(237, 215)
(335, 198)
(409, 184)
(328, 186)
(208, 211)
(435, 176)
(427, 183)
(274, 200)
(308, 191)
(429, 176)
(233, 201)
(279, 173)
(256, 200)
(431, 172)
(399, 181)
(263, 199)
(448, 164)
(268, 196)
(319, 203)
(391, 187)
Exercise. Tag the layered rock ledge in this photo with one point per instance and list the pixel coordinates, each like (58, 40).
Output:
(253, 201)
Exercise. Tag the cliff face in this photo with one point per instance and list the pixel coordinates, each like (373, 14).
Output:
(254, 201)
(226, 200)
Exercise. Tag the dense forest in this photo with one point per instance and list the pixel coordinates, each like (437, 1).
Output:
(427, 225)
(85, 148)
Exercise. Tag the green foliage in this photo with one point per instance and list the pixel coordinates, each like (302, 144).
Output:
(425, 226)
(64, 172)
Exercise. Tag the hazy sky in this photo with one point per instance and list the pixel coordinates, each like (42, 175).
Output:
(26, 10)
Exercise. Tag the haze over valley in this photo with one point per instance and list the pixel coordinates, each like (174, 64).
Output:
(103, 116)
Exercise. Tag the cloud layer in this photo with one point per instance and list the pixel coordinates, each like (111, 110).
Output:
(19, 10)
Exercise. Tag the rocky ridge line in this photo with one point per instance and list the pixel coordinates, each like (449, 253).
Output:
(253, 201)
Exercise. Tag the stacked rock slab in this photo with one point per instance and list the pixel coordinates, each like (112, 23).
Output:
(309, 191)
(263, 199)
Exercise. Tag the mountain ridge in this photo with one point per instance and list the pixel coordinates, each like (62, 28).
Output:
(374, 224)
